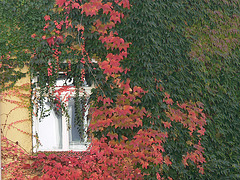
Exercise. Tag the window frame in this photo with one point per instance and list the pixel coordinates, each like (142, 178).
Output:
(65, 132)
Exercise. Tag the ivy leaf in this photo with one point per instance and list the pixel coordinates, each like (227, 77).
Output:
(50, 41)
(60, 2)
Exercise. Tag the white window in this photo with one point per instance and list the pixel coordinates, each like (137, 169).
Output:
(57, 132)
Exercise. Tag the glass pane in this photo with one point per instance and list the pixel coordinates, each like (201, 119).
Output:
(50, 131)
(74, 134)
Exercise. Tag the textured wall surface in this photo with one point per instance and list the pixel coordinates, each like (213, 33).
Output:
(15, 115)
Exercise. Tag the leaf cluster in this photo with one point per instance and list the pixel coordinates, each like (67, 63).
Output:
(191, 48)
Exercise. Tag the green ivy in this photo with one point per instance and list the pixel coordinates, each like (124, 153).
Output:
(190, 47)
(19, 20)
(193, 48)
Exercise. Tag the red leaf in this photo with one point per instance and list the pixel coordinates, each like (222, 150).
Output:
(144, 164)
(107, 8)
(167, 160)
(26, 166)
(50, 41)
(33, 35)
(202, 131)
(112, 135)
(125, 4)
(167, 124)
(35, 178)
(168, 101)
(75, 5)
(47, 17)
(52, 156)
(61, 38)
(60, 2)
(158, 176)
(41, 155)
(58, 165)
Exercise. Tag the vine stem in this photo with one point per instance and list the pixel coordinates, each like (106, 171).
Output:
(80, 43)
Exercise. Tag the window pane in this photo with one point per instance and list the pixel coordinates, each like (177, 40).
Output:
(74, 137)
(74, 134)
(50, 131)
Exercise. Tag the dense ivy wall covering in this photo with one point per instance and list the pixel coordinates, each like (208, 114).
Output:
(19, 20)
(188, 48)
(192, 49)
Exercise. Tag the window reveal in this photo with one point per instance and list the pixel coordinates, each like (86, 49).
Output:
(56, 131)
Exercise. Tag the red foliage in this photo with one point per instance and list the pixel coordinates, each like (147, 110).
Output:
(14, 160)
(47, 18)
(113, 156)
(192, 117)
(60, 2)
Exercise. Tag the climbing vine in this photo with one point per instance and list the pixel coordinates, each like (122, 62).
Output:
(123, 147)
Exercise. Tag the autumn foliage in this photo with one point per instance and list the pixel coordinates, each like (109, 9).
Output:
(121, 147)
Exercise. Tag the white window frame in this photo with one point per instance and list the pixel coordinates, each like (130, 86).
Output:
(65, 131)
